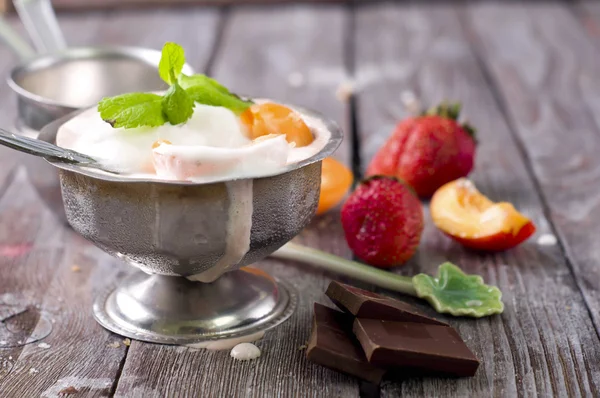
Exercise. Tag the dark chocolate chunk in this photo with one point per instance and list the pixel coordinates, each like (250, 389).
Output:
(365, 304)
(333, 345)
(432, 348)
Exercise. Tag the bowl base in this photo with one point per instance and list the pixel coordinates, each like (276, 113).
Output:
(173, 310)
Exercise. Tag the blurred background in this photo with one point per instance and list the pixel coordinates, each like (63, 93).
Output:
(527, 76)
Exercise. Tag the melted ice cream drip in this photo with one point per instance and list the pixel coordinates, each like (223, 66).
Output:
(245, 352)
(239, 224)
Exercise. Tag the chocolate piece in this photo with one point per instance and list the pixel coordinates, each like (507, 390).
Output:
(365, 304)
(333, 345)
(431, 348)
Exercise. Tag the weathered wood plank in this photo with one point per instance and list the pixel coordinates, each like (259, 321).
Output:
(551, 97)
(194, 29)
(588, 12)
(544, 344)
(260, 48)
(81, 354)
(37, 273)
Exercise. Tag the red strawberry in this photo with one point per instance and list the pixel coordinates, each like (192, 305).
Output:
(383, 221)
(428, 151)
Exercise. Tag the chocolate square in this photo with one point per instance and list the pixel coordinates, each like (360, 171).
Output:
(364, 304)
(432, 348)
(333, 345)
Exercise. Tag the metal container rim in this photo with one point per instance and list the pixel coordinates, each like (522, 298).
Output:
(145, 55)
(48, 133)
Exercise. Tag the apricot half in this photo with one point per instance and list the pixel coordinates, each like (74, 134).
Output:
(271, 118)
(460, 211)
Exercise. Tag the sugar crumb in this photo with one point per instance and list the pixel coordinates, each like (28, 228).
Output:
(44, 345)
(33, 371)
(296, 79)
(410, 102)
(345, 90)
(547, 240)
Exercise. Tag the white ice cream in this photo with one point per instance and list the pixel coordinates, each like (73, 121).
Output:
(210, 145)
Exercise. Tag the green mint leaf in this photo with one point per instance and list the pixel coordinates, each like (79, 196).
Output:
(199, 79)
(132, 110)
(207, 91)
(171, 62)
(177, 105)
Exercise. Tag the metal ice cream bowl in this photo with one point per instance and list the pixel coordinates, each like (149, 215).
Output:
(177, 229)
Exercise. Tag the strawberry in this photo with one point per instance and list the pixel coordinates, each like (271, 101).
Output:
(428, 151)
(383, 221)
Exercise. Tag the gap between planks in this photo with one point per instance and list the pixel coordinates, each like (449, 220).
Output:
(522, 148)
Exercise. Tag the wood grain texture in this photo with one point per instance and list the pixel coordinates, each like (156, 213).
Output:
(588, 12)
(260, 48)
(86, 5)
(81, 354)
(194, 29)
(551, 96)
(544, 344)
(77, 352)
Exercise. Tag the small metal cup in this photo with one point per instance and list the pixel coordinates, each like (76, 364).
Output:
(54, 85)
(51, 86)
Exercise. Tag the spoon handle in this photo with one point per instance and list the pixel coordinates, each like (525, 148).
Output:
(43, 149)
(40, 21)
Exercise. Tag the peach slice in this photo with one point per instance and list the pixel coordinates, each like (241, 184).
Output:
(270, 118)
(336, 179)
(460, 211)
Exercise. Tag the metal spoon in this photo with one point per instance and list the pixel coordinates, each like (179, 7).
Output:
(14, 40)
(40, 21)
(49, 151)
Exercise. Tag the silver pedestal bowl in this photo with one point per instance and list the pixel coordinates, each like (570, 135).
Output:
(171, 230)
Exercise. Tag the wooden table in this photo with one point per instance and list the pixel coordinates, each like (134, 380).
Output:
(528, 77)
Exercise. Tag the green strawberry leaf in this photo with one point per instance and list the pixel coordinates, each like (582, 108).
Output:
(177, 105)
(132, 110)
(457, 293)
(171, 62)
(207, 91)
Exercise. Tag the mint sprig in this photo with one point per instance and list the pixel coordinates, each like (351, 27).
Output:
(171, 62)
(176, 106)
(205, 90)
(133, 110)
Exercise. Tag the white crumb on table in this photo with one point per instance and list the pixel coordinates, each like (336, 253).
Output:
(547, 240)
(44, 345)
(345, 90)
(245, 352)
(296, 79)
(33, 371)
(410, 102)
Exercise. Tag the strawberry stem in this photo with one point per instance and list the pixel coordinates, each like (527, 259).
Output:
(445, 109)
(353, 269)
(470, 130)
